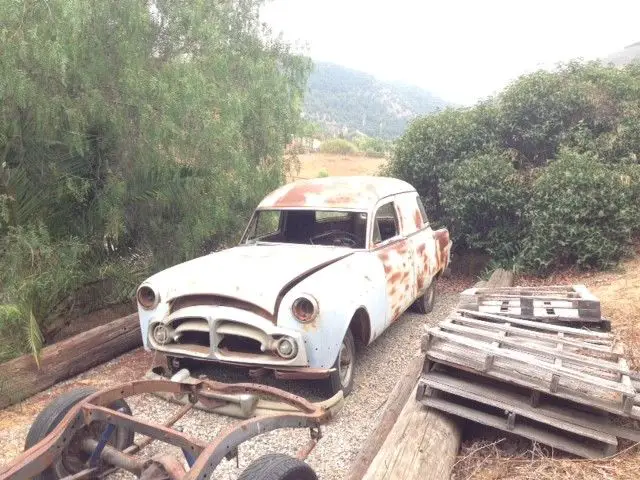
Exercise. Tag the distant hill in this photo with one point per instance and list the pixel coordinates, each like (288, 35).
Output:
(339, 97)
(625, 56)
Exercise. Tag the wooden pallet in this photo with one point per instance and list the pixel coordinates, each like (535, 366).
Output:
(579, 365)
(522, 411)
(572, 304)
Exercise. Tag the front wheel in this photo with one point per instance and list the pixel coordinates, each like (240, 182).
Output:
(277, 466)
(342, 376)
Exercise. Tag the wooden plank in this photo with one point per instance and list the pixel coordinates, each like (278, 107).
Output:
(565, 316)
(530, 359)
(538, 325)
(541, 435)
(21, 378)
(508, 374)
(557, 352)
(570, 420)
(498, 392)
(489, 360)
(395, 403)
(522, 332)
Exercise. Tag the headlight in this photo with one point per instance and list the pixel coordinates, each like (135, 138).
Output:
(161, 334)
(147, 297)
(286, 347)
(305, 308)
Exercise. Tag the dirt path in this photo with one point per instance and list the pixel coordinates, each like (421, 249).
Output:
(377, 370)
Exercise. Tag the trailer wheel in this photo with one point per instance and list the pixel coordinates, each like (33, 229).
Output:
(72, 460)
(277, 466)
(425, 303)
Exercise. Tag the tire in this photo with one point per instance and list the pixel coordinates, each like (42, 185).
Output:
(52, 415)
(336, 381)
(424, 304)
(277, 466)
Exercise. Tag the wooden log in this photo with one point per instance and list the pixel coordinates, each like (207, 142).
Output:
(422, 444)
(21, 378)
(397, 400)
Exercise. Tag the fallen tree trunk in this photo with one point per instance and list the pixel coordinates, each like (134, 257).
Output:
(21, 378)
(417, 443)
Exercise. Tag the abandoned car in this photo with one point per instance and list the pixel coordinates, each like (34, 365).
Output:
(323, 263)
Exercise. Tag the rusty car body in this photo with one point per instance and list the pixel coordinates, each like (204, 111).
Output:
(87, 434)
(323, 263)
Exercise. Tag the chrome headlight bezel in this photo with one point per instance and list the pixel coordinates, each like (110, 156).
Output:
(147, 297)
(305, 308)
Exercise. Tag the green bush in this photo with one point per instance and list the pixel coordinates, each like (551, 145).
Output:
(579, 214)
(484, 201)
(338, 145)
(37, 273)
(425, 155)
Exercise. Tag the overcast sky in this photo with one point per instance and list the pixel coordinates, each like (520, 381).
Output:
(461, 50)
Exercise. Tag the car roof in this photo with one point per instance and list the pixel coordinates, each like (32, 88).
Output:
(353, 192)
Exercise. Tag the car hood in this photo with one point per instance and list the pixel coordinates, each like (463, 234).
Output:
(252, 273)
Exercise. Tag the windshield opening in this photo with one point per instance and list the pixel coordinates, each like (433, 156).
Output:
(310, 227)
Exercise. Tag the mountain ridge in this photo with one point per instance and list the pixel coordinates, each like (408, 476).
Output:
(340, 98)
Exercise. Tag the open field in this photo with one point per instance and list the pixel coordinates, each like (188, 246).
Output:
(311, 164)
(499, 457)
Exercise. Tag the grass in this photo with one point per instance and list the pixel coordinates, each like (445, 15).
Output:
(619, 294)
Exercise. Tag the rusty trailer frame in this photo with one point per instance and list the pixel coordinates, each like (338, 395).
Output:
(202, 457)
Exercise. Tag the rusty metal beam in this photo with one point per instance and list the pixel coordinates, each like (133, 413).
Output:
(94, 413)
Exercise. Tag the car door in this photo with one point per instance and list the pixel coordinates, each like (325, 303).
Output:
(416, 228)
(392, 248)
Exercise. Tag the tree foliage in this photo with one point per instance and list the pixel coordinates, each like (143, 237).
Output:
(133, 135)
(490, 171)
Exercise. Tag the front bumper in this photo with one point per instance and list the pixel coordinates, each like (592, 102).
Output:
(225, 334)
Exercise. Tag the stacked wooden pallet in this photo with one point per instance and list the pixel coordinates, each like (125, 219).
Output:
(572, 304)
(564, 386)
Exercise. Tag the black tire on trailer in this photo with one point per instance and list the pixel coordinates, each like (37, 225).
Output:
(424, 304)
(277, 466)
(342, 377)
(52, 415)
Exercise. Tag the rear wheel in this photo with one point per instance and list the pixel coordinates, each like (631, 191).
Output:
(344, 367)
(73, 459)
(424, 304)
(277, 466)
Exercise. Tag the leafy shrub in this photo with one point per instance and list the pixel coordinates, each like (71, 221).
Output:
(579, 214)
(37, 274)
(484, 201)
(424, 156)
(323, 173)
(338, 145)
(373, 147)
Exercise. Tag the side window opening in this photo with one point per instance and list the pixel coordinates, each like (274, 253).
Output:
(423, 212)
(385, 223)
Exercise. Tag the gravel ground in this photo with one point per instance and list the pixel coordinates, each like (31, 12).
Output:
(377, 370)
